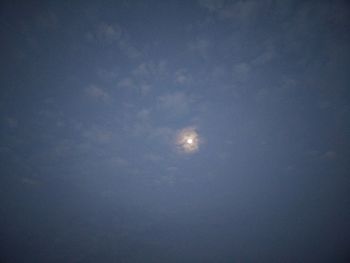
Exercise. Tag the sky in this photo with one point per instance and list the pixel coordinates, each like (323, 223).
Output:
(174, 131)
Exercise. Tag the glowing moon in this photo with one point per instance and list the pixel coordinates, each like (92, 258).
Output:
(187, 140)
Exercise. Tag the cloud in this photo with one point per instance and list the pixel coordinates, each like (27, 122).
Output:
(243, 11)
(113, 33)
(48, 20)
(108, 75)
(109, 32)
(143, 77)
(164, 134)
(212, 5)
(126, 83)
(144, 115)
(98, 135)
(330, 155)
(150, 69)
(118, 161)
(98, 93)
(138, 121)
(177, 103)
(63, 148)
(182, 77)
(129, 50)
(241, 71)
(153, 157)
(11, 122)
(105, 32)
(200, 46)
(145, 89)
(264, 57)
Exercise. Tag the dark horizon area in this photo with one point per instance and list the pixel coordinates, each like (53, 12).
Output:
(175, 131)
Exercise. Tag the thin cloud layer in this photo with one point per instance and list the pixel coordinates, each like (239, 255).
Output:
(131, 131)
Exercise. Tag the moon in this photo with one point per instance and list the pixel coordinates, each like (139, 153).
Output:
(188, 140)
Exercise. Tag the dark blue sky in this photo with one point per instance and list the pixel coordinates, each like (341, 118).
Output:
(94, 94)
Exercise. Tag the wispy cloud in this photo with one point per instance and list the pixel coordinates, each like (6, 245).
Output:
(105, 32)
(109, 34)
(177, 103)
(241, 71)
(11, 122)
(150, 70)
(212, 5)
(244, 12)
(126, 83)
(108, 75)
(48, 20)
(98, 135)
(183, 76)
(98, 93)
(200, 47)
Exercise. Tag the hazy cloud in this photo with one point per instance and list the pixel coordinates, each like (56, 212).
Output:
(241, 71)
(150, 70)
(98, 135)
(183, 77)
(114, 34)
(177, 103)
(108, 75)
(200, 46)
(144, 114)
(126, 83)
(98, 93)
(153, 157)
(105, 32)
(11, 122)
(330, 155)
(48, 21)
(265, 57)
(212, 5)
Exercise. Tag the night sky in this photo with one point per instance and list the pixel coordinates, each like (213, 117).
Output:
(212, 131)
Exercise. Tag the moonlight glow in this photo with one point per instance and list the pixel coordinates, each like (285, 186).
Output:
(188, 140)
